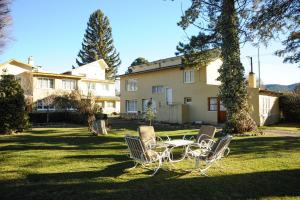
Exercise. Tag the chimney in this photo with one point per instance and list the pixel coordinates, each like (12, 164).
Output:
(30, 61)
(252, 80)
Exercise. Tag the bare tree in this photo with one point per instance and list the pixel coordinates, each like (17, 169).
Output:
(5, 20)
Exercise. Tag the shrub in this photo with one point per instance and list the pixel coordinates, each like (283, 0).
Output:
(12, 106)
(290, 106)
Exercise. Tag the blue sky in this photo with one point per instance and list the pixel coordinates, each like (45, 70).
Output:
(52, 32)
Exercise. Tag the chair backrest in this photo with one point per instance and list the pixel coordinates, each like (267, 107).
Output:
(221, 147)
(136, 149)
(206, 132)
(147, 135)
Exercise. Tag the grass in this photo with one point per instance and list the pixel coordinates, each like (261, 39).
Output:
(293, 127)
(68, 163)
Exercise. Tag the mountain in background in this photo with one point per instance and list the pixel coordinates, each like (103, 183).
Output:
(281, 88)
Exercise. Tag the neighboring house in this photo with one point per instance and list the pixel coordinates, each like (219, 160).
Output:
(181, 95)
(88, 79)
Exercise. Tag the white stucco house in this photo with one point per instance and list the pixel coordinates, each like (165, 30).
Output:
(88, 79)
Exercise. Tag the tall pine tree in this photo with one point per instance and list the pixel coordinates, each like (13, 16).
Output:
(98, 44)
(221, 26)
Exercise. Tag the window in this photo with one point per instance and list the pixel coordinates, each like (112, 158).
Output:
(45, 83)
(131, 85)
(131, 106)
(110, 104)
(42, 106)
(91, 85)
(188, 76)
(105, 87)
(69, 84)
(266, 105)
(212, 103)
(187, 100)
(144, 104)
(157, 89)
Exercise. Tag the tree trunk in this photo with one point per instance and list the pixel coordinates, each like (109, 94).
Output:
(233, 89)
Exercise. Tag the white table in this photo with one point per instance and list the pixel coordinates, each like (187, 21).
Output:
(177, 143)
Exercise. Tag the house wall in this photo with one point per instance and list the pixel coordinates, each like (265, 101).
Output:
(268, 109)
(199, 91)
(12, 69)
(99, 89)
(94, 70)
(253, 99)
(205, 86)
(212, 72)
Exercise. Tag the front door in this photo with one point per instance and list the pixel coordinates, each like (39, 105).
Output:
(221, 112)
(169, 96)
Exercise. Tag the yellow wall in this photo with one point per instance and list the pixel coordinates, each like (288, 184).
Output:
(199, 91)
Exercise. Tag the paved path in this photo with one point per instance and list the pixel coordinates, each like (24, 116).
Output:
(282, 133)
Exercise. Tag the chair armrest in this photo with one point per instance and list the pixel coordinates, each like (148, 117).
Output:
(188, 137)
(207, 144)
(203, 135)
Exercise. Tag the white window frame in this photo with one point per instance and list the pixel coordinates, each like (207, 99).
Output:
(90, 85)
(109, 104)
(68, 84)
(105, 87)
(157, 89)
(210, 108)
(189, 76)
(45, 83)
(134, 106)
(188, 100)
(131, 85)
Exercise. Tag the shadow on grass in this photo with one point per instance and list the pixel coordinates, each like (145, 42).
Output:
(92, 157)
(39, 140)
(164, 185)
(261, 145)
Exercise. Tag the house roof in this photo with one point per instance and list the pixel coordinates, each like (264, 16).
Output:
(152, 70)
(269, 93)
(163, 64)
(19, 63)
(46, 74)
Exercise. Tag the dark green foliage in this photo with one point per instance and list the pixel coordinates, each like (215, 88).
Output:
(290, 106)
(63, 102)
(12, 106)
(58, 117)
(98, 44)
(277, 18)
(219, 25)
(139, 61)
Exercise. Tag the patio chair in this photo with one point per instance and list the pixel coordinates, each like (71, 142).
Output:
(219, 150)
(204, 137)
(141, 155)
(149, 138)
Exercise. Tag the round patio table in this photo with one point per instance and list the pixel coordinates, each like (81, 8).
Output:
(172, 144)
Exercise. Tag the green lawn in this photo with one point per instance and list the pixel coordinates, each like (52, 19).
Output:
(68, 163)
(293, 127)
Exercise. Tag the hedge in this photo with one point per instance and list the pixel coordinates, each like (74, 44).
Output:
(290, 107)
(66, 117)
